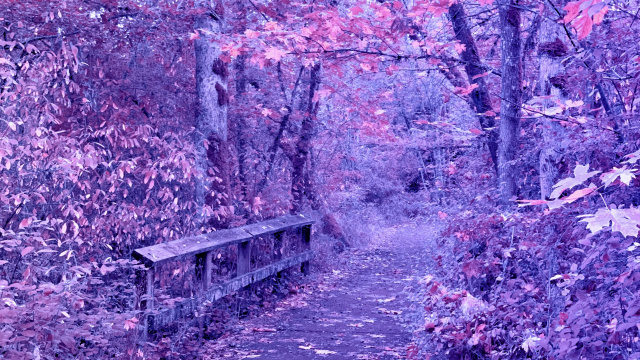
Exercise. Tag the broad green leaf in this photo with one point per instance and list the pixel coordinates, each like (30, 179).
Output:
(581, 174)
(625, 221)
(625, 175)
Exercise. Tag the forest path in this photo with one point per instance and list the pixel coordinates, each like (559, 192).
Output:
(353, 312)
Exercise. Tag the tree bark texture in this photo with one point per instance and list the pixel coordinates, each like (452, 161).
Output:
(511, 98)
(240, 124)
(211, 122)
(299, 179)
(551, 51)
(480, 95)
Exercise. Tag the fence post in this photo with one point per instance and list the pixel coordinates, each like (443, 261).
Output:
(141, 289)
(305, 231)
(151, 272)
(244, 257)
(203, 274)
(144, 288)
(277, 245)
(203, 269)
(278, 239)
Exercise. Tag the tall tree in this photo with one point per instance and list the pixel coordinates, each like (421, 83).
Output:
(511, 97)
(211, 122)
(473, 66)
(238, 124)
(299, 176)
(302, 174)
(552, 82)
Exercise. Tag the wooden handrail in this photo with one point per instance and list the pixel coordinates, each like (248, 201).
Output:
(201, 247)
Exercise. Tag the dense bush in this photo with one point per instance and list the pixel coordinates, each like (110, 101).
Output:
(560, 282)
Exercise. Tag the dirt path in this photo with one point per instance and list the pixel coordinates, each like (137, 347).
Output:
(354, 312)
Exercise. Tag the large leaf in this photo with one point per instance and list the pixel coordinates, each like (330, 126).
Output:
(633, 157)
(581, 174)
(625, 175)
(625, 221)
(578, 194)
(525, 202)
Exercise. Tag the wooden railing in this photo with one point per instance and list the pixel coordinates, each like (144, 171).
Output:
(202, 247)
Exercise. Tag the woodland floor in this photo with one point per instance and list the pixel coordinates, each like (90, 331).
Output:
(357, 310)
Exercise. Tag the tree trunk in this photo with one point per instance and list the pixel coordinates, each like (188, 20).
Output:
(439, 159)
(303, 146)
(551, 51)
(211, 123)
(240, 125)
(284, 123)
(511, 98)
(479, 95)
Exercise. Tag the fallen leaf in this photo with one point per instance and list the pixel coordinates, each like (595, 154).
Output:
(530, 343)
(264, 330)
(387, 300)
(325, 352)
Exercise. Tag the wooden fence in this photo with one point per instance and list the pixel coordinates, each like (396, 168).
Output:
(202, 247)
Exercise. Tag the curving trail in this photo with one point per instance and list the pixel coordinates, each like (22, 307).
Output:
(355, 312)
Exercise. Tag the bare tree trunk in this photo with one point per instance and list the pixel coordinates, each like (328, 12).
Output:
(302, 178)
(303, 146)
(240, 125)
(511, 96)
(212, 123)
(480, 95)
(439, 158)
(551, 51)
(284, 123)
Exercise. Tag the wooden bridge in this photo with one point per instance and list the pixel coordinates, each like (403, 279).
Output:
(295, 229)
